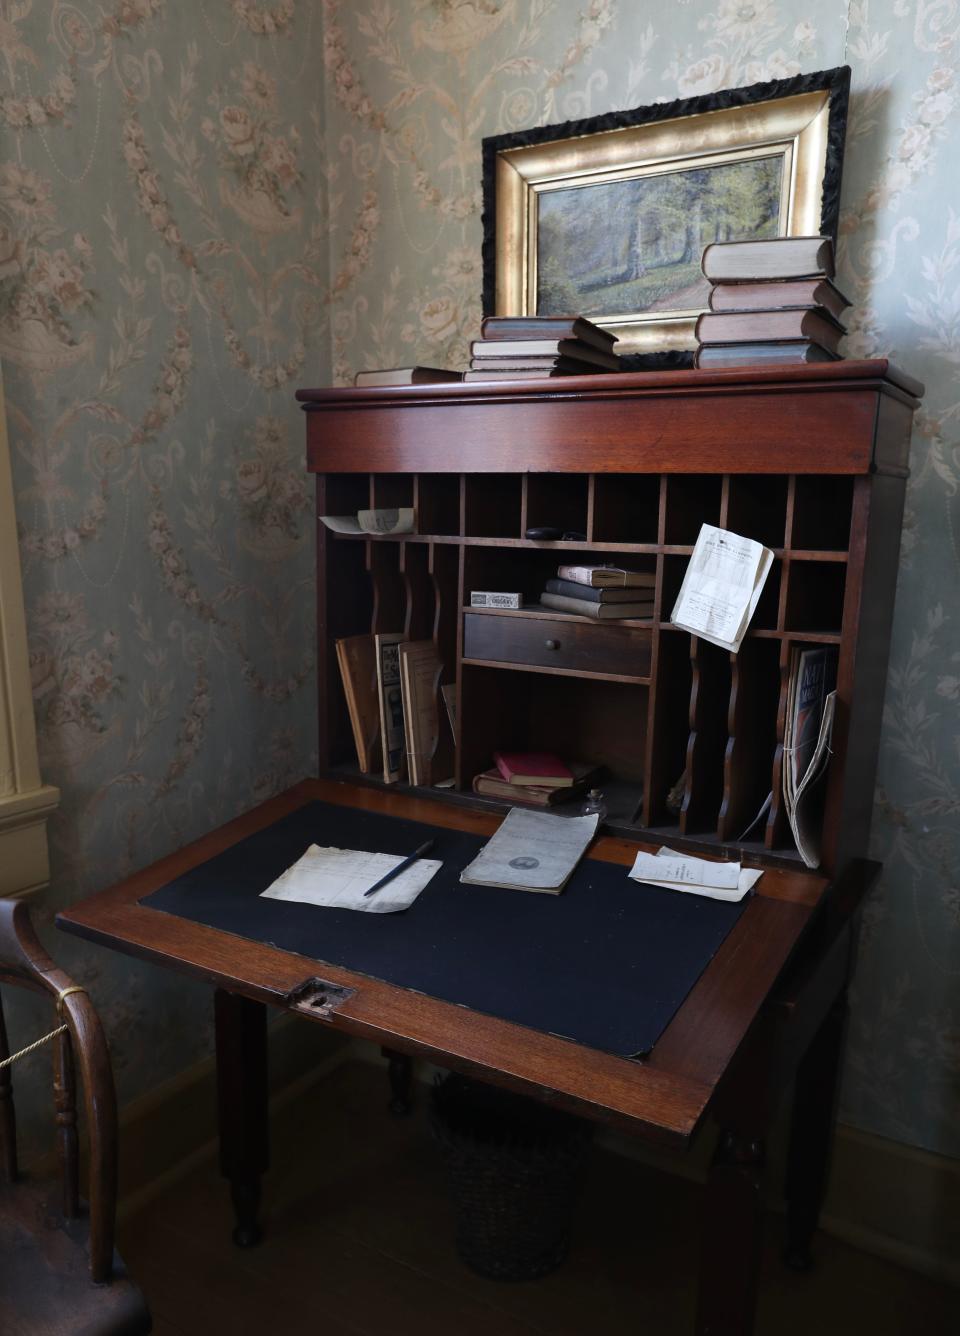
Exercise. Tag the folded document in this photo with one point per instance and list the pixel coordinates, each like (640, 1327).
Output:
(339, 878)
(699, 876)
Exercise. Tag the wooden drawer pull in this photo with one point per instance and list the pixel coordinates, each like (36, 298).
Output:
(552, 644)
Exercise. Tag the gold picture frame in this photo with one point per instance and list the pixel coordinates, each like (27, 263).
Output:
(779, 147)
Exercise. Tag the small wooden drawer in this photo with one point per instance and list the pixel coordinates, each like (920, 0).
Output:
(547, 642)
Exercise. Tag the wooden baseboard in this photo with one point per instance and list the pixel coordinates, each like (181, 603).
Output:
(897, 1201)
(892, 1200)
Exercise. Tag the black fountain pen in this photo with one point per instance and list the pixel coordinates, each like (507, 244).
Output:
(401, 867)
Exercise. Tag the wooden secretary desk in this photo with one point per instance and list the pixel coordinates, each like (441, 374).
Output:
(809, 460)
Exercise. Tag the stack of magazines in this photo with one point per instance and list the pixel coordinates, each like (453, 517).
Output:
(811, 700)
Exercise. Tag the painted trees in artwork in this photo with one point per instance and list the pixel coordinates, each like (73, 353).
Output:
(635, 245)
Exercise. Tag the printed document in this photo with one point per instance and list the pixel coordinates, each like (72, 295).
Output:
(722, 585)
(338, 878)
(532, 851)
(699, 876)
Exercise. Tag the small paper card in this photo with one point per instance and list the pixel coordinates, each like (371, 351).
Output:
(338, 878)
(697, 876)
(721, 587)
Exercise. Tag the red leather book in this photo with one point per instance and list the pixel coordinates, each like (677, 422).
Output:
(543, 768)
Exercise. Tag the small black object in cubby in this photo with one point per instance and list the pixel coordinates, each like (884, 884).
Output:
(822, 511)
(514, 1169)
(557, 501)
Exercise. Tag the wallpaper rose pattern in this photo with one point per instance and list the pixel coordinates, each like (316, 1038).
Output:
(203, 206)
(163, 288)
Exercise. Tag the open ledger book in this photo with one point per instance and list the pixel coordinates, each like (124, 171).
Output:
(811, 701)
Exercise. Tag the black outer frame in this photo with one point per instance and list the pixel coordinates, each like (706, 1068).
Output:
(835, 81)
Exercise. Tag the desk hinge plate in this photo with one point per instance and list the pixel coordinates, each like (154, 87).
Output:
(318, 998)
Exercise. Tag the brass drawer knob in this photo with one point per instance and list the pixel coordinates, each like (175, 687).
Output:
(552, 644)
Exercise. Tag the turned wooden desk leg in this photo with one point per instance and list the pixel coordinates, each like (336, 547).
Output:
(732, 1237)
(811, 1135)
(241, 1037)
(400, 1071)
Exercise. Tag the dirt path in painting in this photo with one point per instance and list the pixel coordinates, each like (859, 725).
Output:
(690, 298)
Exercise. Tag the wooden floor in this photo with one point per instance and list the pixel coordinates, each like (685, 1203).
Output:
(359, 1243)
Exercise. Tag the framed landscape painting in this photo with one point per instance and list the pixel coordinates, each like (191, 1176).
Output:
(608, 217)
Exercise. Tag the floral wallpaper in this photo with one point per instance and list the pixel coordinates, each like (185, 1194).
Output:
(163, 289)
(203, 206)
(411, 90)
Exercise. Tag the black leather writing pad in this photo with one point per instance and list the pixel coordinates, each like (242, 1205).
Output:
(607, 963)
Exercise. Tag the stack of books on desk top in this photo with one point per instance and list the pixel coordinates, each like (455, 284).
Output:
(771, 302)
(530, 347)
(535, 779)
(405, 375)
(605, 593)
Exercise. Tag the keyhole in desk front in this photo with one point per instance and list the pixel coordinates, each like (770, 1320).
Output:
(552, 644)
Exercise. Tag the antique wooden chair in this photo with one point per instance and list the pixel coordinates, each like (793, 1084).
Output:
(59, 1274)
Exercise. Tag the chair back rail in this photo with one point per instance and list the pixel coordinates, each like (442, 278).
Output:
(82, 1049)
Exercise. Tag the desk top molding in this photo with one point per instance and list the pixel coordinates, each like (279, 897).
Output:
(828, 418)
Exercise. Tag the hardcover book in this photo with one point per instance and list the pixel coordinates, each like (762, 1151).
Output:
(757, 326)
(543, 768)
(589, 594)
(491, 784)
(545, 373)
(776, 257)
(406, 375)
(779, 295)
(499, 327)
(509, 349)
(603, 612)
(783, 353)
(356, 656)
(608, 577)
(420, 669)
(571, 366)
